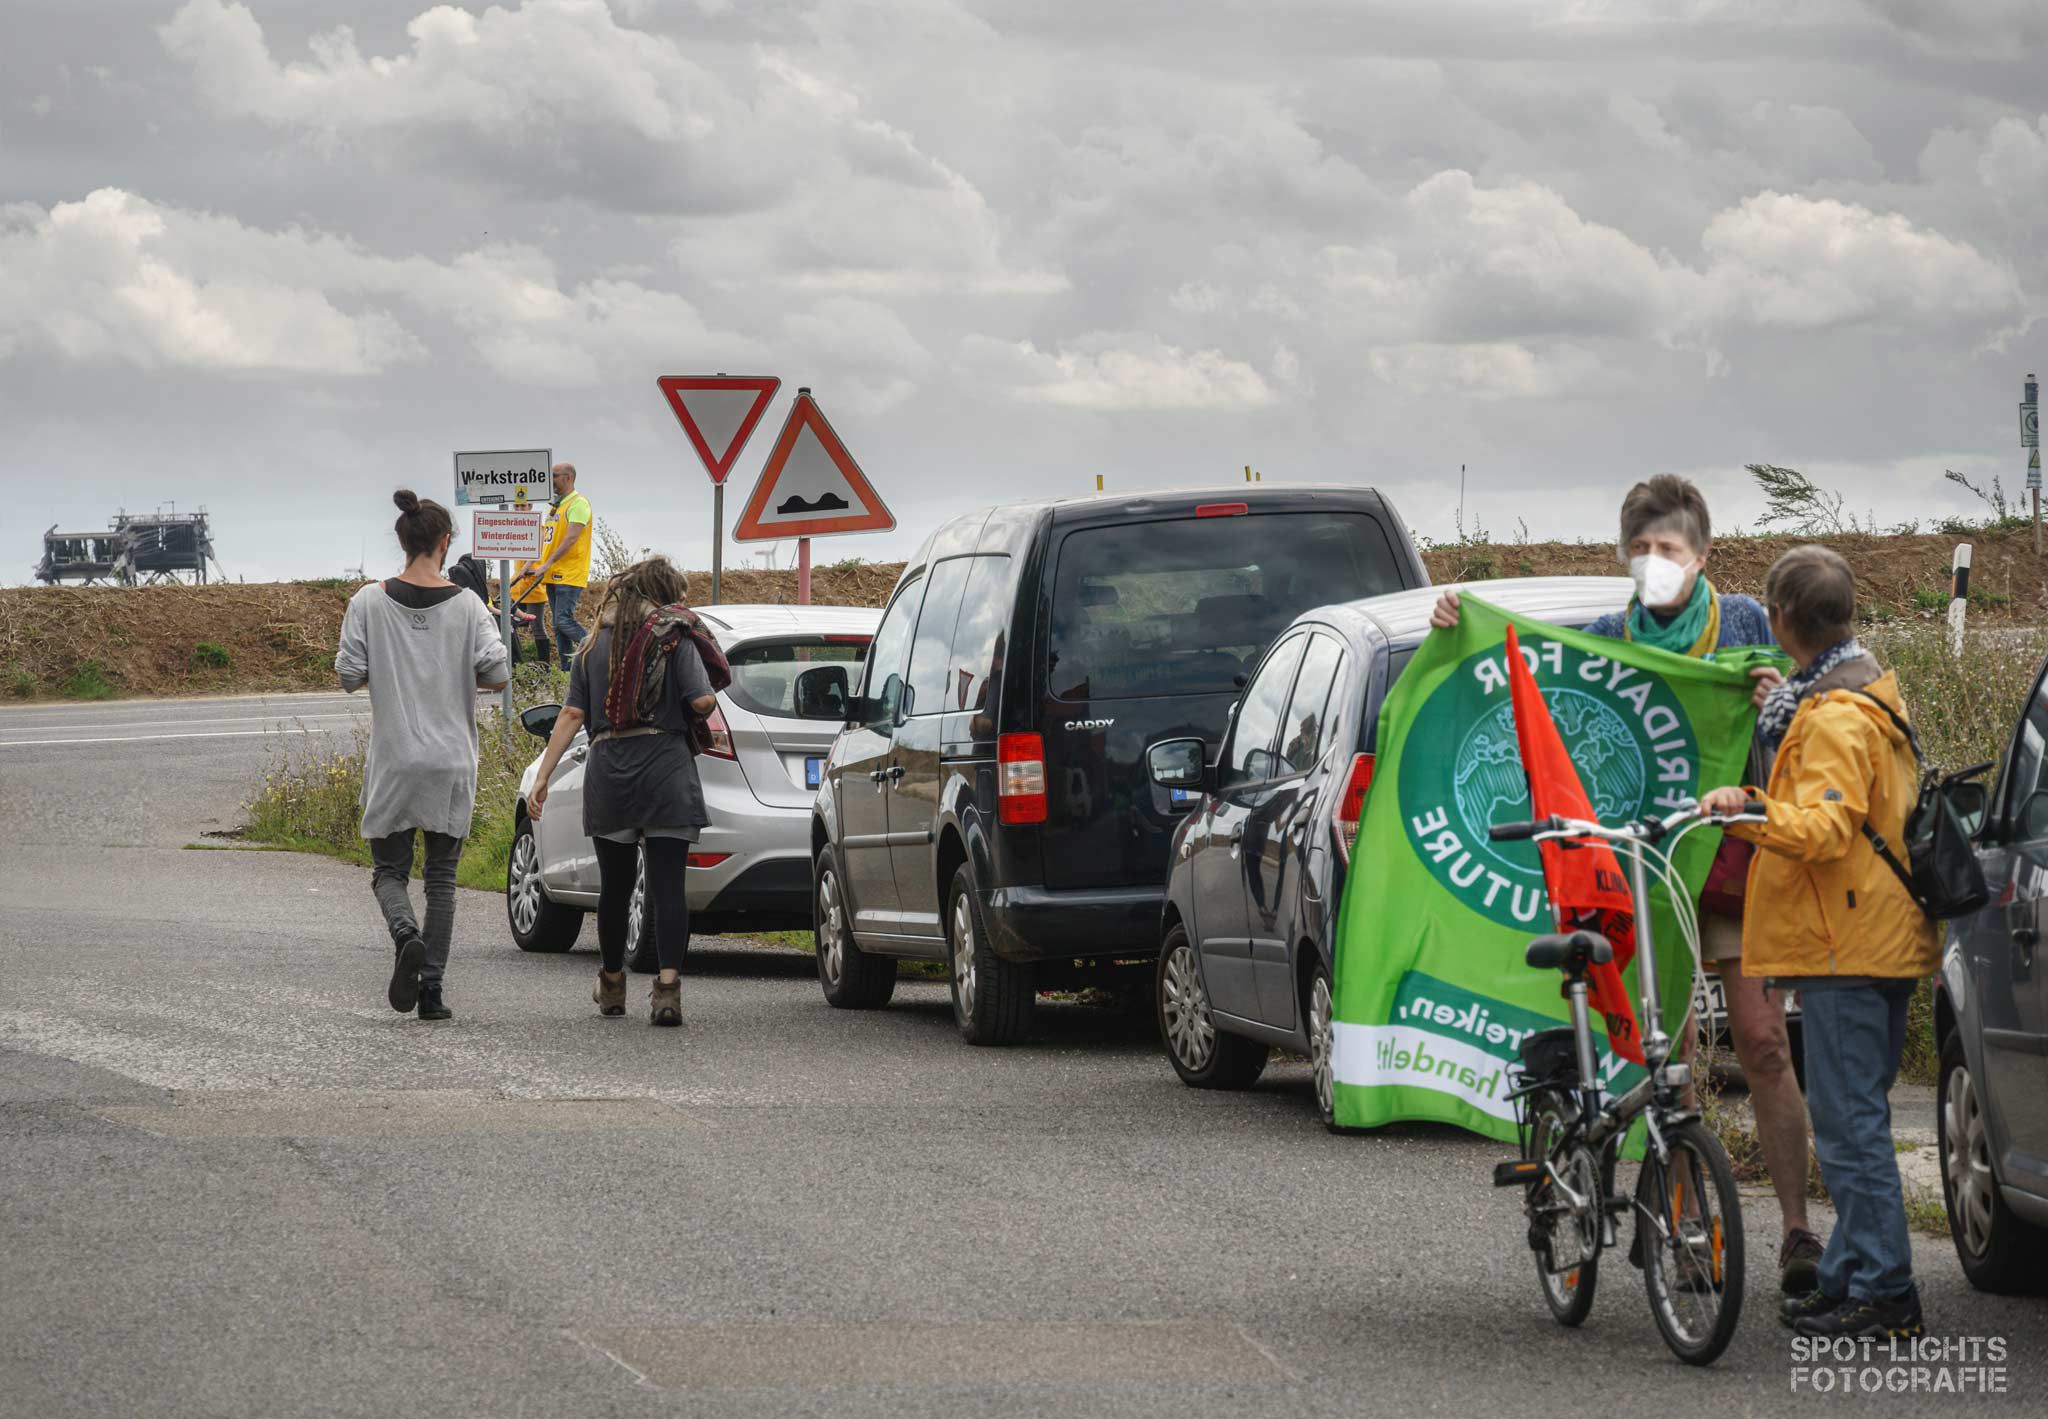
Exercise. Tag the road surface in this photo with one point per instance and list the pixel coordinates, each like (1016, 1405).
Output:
(234, 1183)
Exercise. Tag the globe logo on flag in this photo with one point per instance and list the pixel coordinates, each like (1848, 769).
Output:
(1461, 772)
(1491, 788)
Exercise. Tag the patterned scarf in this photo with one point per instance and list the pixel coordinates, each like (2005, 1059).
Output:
(632, 696)
(1783, 702)
(1693, 629)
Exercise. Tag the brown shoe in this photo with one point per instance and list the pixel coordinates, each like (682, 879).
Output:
(610, 994)
(665, 1003)
(1799, 1263)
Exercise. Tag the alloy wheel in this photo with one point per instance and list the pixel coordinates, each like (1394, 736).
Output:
(831, 928)
(1321, 1044)
(524, 888)
(1189, 1030)
(1972, 1188)
(963, 956)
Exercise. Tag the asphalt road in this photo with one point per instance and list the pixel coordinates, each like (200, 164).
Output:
(232, 1182)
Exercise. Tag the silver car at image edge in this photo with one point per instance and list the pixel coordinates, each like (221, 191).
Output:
(751, 869)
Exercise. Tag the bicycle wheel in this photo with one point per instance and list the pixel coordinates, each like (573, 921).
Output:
(1564, 1237)
(1689, 1224)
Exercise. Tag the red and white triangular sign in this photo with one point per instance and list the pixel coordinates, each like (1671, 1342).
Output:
(811, 487)
(718, 412)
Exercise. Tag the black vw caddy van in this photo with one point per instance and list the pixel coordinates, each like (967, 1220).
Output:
(987, 803)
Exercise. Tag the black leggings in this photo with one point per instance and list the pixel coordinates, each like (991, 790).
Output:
(617, 865)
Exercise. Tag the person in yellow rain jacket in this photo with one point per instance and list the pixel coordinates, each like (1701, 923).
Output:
(532, 601)
(1828, 917)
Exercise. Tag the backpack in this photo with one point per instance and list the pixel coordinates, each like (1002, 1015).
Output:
(1940, 871)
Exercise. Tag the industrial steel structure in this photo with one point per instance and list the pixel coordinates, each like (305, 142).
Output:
(140, 549)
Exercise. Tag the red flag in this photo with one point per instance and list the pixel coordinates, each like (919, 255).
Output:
(1587, 888)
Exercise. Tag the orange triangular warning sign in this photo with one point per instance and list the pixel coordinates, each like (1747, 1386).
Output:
(811, 487)
(719, 413)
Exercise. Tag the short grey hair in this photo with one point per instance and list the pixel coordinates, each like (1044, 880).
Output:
(1665, 503)
(568, 468)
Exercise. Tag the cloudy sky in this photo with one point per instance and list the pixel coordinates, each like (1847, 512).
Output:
(279, 257)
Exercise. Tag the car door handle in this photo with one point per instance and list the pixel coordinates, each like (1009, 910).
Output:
(2026, 937)
(894, 773)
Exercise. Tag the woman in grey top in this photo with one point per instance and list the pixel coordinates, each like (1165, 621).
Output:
(424, 649)
(640, 788)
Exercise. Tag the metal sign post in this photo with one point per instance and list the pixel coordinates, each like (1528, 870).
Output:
(2030, 439)
(717, 541)
(803, 571)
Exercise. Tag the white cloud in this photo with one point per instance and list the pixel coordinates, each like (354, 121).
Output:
(1782, 261)
(1118, 374)
(1498, 369)
(117, 277)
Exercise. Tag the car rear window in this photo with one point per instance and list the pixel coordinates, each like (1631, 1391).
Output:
(764, 672)
(1186, 607)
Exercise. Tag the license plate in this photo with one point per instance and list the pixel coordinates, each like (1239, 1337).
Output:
(1180, 797)
(813, 768)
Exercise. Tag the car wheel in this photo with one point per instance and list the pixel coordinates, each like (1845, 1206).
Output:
(641, 957)
(1999, 1250)
(1322, 1041)
(1204, 1056)
(538, 923)
(852, 979)
(992, 997)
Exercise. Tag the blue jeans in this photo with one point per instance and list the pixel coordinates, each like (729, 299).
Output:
(1853, 1038)
(569, 632)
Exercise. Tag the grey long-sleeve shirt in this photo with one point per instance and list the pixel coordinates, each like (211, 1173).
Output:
(422, 666)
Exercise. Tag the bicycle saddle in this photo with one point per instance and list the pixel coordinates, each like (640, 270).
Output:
(1570, 952)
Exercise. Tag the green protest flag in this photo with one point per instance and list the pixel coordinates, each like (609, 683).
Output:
(1432, 995)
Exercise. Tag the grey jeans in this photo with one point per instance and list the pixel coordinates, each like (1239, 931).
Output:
(391, 871)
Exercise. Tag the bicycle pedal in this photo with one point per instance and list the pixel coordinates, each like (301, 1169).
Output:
(1519, 1172)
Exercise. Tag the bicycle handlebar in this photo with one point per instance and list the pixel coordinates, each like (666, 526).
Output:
(1642, 830)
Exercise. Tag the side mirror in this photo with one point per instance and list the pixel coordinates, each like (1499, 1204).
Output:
(822, 692)
(540, 720)
(1970, 802)
(1178, 764)
(906, 702)
(2034, 815)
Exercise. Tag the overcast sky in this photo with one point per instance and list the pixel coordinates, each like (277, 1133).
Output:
(277, 258)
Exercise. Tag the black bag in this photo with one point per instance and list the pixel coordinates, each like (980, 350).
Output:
(1940, 871)
(466, 573)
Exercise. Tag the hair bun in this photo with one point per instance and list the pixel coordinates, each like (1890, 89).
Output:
(407, 500)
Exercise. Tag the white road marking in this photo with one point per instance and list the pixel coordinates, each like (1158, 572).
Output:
(146, 738)
(363, 713)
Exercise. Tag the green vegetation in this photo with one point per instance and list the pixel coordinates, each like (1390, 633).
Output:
(208, 656)
(88, 682)
(20, 683)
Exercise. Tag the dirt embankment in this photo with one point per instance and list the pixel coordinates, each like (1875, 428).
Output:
(103, 642)
(96, 642)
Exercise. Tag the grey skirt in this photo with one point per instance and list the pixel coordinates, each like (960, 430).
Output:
(640, 784)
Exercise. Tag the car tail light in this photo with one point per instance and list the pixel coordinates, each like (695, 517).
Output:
(1222, 509)
(1350, 804)
(848, 640)
(1020, 793)
(721, 735)
(708, 859)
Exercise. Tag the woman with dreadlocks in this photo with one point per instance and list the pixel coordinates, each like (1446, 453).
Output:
(644, 684)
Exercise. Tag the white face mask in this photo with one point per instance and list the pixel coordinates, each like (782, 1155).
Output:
(1659, 581)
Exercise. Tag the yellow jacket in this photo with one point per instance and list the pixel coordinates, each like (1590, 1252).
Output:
(1820, 900)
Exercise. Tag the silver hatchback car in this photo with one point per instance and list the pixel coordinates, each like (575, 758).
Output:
(751, 870)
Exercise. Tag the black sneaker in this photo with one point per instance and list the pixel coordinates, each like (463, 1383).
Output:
(404, 993)
(1897, 1317)
(431, 1007)
(1794, 1309)
(1799, 1263)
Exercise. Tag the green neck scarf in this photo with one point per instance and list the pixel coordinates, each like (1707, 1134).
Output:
(1695, 630)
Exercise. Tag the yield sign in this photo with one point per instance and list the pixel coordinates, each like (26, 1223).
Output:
(811, 487)
(719, 412)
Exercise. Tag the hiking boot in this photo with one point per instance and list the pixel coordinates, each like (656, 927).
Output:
(665, 1003)
(1799, 1263)
(404, 992)
(1894, 1318)
(610, 993)
(1794, 1309)
(431, 1007)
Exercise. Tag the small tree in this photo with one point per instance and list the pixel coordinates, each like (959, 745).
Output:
(1798, 504)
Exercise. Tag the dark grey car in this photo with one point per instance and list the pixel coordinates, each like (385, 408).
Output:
(1991, 1026)
(1257, 865)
